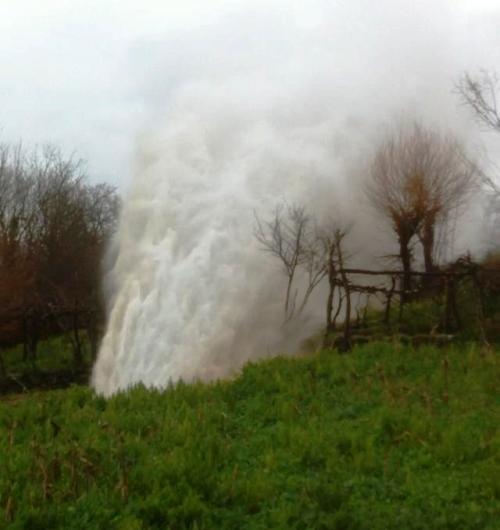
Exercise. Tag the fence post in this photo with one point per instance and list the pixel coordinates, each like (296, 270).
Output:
(346, 345)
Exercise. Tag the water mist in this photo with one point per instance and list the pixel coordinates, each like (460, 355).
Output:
(191, 294)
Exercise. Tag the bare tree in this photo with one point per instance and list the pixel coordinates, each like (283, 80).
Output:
(16, 274)
(480, 93)
(315, 262)
(292, 236)
(447, 180)
(53, 229)
(418, 179)
(15, 191)
(71, 223)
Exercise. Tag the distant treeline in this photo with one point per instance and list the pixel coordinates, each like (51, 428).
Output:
(54, 225)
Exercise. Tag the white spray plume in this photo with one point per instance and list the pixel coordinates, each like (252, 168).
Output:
(191, 293)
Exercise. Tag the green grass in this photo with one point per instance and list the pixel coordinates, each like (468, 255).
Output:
(385, 437)
(53, 367)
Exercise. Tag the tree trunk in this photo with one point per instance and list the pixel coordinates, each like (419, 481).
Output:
(347, 322)
(332, 273)
(427, 240)
(427, 237)
(329, 310)
(77, 347)
(330, 323)
(405, 256)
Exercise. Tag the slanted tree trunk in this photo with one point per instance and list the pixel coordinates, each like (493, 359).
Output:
(332, 274)
(346, 344)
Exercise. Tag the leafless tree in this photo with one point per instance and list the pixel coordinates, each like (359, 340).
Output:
(15, 215)
(292, 236)
(480, 93)
(418, 179)
(15, 191)
(53, 229)
(315, 262)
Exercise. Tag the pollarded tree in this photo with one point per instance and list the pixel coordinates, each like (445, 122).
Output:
(418, 179)
(446, 182)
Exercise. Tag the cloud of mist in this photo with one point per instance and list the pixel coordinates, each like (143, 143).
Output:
(267, 104)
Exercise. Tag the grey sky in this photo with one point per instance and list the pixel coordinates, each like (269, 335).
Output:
(90, 75)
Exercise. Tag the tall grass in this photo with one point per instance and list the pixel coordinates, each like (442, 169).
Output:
(387, 437)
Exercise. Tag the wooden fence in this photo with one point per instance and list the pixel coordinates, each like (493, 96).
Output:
(389, 292)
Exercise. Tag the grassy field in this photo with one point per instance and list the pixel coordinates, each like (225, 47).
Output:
(382, 438)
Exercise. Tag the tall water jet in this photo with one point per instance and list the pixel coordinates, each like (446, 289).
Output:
(192, 295)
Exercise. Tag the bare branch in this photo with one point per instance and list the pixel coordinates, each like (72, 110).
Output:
(480, 95)
(292, 236)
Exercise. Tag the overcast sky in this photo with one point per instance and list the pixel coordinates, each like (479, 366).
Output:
(90, 75)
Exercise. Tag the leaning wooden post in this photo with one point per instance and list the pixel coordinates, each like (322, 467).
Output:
(347, 325)
(346, 343)
(346, 340)
(339, 307)
(332, 273)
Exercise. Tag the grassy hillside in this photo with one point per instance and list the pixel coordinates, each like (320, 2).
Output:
(383, 438)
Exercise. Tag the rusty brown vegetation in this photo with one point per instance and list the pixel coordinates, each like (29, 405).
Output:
(54, 226)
